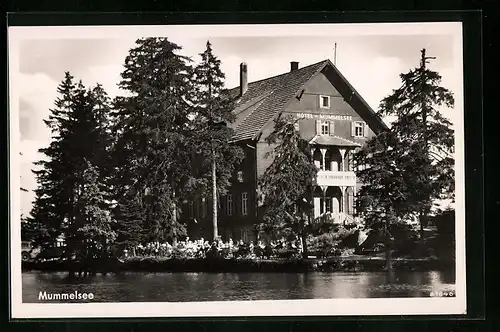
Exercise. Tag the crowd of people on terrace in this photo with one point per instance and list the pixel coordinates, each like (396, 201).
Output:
(229, 249)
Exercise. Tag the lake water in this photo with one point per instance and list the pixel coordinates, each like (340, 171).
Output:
(175, 287)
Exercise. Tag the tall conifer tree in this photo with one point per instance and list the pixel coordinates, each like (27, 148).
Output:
(79, 136)
(427, 135)
(153, 146)
(212, 133)
(411, 165)
(52, 196)
(287, 183)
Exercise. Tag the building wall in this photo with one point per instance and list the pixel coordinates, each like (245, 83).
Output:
(237, 221)
(308, 108)
(255, 162)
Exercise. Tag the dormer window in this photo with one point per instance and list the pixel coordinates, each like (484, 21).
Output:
(324, 101)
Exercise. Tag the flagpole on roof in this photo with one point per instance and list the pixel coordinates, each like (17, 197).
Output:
(335, 54)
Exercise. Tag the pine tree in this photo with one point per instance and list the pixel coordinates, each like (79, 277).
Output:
(78, 136)
(212, 135)
(385, 199)
(88, 145)
(130, 229)
(52, 196)
(152, 147)
(287, 183)
(409, 166)
(92, 230)
(427, 135)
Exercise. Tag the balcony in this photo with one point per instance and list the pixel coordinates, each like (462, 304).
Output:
(336, 178)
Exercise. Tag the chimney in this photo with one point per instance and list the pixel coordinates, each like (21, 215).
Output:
(294, 65)
(243, 78)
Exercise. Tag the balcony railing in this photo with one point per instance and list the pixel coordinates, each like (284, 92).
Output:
(336, 178)
(335, 218)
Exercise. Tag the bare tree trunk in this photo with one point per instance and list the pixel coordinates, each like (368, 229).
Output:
(303, 238)
(174, 217)
(388, 258)
(388, 249)
(424, 214)
(421, 222)
(214, 197)
(303, 235)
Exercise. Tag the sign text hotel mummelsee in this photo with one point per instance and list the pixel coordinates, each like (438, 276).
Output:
(322, 116)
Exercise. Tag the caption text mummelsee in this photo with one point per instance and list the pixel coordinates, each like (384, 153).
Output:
(76, 295)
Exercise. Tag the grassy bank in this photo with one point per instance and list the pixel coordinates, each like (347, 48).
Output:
(155, 264)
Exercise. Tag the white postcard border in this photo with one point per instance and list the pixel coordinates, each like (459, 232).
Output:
(319, 307)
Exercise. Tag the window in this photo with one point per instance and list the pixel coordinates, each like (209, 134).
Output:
(244, 235)
(296, 126)
(204, 207)
(191, 209)
(325, 128)
(240, 176)
(229, 205)
(361, 167)
(328, 205)
(324, 101)
(359, 129)
(244, 204)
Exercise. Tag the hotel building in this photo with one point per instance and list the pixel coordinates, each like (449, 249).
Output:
(331, 115)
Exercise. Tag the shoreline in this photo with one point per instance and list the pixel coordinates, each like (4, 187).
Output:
(300, 265)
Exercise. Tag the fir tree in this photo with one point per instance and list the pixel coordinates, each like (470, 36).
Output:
(130, 229)
(153, 149)
(426, 134)
(93, 225)
(287, 184)
(52, 196)
(212, 135)
(410, 165)
(385, 199)
(78, 136)
(88, 145)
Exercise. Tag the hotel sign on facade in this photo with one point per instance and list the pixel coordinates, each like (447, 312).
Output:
(340, 179)
(322, 116)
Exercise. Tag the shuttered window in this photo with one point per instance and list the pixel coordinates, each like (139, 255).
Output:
(332, 128)
(325, 127)
(359, 129)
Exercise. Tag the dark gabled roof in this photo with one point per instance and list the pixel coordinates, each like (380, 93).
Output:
(270, 96)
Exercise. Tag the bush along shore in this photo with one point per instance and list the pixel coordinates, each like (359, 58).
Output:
(155, 264)
(341, 249)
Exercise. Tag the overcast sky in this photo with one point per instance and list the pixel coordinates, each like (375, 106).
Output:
(370, 57)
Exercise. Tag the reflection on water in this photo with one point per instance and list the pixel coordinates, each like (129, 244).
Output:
(175, 287)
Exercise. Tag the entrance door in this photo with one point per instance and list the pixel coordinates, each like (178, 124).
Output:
(317, 207)
(335, 205)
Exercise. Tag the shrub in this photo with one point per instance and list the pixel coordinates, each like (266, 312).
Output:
(329, 244)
